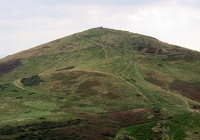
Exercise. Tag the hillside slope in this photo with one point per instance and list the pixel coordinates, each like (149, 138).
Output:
(101, 84)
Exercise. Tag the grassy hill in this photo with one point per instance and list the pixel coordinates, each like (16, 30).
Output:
(101, 84)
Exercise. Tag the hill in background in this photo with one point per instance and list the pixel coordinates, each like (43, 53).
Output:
(101, 84)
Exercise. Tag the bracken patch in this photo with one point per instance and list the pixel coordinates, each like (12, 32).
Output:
(128, 118)
(9, 66)
(190, 90)
(151, 50)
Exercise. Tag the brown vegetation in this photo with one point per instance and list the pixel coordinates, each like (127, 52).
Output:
(189, 90)
(151, 50)
(9, 66)
(129, 118)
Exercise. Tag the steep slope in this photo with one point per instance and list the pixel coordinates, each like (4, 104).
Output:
(100, 84)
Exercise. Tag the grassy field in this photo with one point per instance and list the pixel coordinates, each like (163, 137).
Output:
(101, 84)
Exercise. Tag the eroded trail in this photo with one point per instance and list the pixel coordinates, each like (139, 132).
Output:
(18, 84)
(127, 72)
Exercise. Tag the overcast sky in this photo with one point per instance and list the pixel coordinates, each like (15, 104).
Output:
(27, 23)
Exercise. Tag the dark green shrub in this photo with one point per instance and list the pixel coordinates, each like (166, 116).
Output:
(32, 81)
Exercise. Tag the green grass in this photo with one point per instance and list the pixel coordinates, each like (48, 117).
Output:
(112, 77)
(179, 128)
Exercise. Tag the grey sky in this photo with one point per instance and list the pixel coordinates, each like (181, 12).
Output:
(27, 23)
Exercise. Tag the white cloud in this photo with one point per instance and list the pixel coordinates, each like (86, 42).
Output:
(170, 23)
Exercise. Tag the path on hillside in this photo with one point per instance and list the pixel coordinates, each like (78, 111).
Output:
(122, 74)
(117, 74)
(163, 120)
(152, 98)
(18, 84)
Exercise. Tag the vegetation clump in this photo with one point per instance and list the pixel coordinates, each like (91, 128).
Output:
(32, 81)
(131, 80)
(67, 68)
(3, 86)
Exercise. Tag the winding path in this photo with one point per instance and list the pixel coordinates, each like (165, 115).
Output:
(18, 84)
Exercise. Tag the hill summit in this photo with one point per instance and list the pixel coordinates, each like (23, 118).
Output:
(101, 84)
